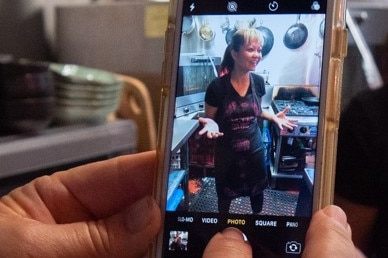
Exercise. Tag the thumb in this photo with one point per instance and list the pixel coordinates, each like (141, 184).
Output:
(127, 234)
(329, 235)
(230, 243)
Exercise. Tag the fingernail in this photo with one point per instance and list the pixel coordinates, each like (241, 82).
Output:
(336, 213)
(234, 233)
(140, 214)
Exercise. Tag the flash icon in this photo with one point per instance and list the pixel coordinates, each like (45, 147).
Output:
(192, 7)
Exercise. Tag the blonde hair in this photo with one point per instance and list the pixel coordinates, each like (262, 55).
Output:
(239, 38)
(250, 35)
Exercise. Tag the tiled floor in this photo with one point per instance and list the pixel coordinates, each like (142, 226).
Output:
(278, 203)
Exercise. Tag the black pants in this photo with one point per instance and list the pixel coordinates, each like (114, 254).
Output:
(256, 203)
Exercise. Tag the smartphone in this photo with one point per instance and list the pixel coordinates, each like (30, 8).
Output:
(267, 184)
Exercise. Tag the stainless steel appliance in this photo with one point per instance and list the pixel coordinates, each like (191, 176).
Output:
(196, 71)
(189, 105)
(290, 148)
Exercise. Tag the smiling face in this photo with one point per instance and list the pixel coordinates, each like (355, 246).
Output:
(246, 49)
(248, 56)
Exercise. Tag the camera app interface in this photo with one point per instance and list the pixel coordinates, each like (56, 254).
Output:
(245, 124)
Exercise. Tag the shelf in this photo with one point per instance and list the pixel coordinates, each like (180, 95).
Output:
(64, 145)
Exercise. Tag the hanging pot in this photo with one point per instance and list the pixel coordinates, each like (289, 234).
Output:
(296, 35)
(239, 24)
(206, 33)
(322, 29)
(188, 25)
(268, 39)
(229, 35)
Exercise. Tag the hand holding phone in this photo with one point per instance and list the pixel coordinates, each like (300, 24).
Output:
(328, 236)
(224, 158)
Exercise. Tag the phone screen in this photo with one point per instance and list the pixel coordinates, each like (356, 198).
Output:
(258, 176)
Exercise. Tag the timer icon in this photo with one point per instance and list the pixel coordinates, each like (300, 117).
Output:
(273, 6)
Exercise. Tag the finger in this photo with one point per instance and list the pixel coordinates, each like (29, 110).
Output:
(286, 109)
(230, 243)
(201, 120)
(202, 131)
(92, 191)
(329, 235)
(127, 234)
(108, 189)
(290, 126)
(338, 215)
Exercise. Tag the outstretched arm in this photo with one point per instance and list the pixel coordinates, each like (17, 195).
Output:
(210, 127)
(280, 119)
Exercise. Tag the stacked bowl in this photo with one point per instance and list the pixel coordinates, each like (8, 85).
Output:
(27, 99)
(84, 95)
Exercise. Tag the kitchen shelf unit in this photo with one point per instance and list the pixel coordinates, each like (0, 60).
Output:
(64, 146)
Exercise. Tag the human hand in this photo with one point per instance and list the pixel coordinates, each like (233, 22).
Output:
(281, 119)
(228, 244)
(96, 210)
(328, 236)
(210, 127)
